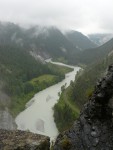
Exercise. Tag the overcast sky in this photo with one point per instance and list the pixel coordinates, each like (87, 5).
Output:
(87, 16)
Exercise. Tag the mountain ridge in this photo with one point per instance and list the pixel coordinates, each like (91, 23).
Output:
(80, 40)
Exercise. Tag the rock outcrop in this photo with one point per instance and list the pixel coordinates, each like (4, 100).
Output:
(6, 120)
(94, 128)
(21, 140)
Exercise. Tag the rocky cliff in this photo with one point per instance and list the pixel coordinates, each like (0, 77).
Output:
(94, 128)
(6, 120)
(21, 140)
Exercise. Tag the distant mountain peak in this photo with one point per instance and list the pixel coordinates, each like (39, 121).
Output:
(80, 40)
(100, 38)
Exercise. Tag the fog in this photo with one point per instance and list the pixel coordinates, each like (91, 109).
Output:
(87, 16)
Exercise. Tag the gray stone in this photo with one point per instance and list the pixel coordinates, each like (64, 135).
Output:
(22, 140)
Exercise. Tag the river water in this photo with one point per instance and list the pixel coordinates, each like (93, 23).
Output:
(38, 115)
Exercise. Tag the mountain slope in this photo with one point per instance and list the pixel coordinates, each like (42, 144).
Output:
(17, 71)
(42, 41)
(93, 55)
(16, 68)
(100, 39)
(79, 40)
(78, 92)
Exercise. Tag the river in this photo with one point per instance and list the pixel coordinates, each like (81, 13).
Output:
(38, 115)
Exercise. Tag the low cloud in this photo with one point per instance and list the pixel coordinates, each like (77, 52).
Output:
(83, 15)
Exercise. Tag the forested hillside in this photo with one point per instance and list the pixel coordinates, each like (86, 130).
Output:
(78, 92)
(49, 42)
(80, 40)
(45, 42)
(96, 54)
(17, 71)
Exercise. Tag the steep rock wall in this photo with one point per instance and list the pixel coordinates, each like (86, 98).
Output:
(6, 120)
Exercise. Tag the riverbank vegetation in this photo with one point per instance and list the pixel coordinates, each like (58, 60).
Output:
(73, 98)
(65, 111)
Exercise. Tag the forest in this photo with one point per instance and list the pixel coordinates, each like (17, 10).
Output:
(22, 76)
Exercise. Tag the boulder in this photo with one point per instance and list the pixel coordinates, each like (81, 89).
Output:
(23, 140)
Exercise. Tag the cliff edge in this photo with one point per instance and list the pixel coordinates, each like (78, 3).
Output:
(94, 128)
(21, 140)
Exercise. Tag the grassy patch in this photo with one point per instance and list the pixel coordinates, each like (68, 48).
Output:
(47, 78)
(61, 59)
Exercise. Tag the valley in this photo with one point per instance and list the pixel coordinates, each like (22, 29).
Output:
(40, 111)
(56, 75)
(45, 95)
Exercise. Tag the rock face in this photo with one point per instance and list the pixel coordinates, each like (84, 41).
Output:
(6, 120)
(94, 128)
(21, 140)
